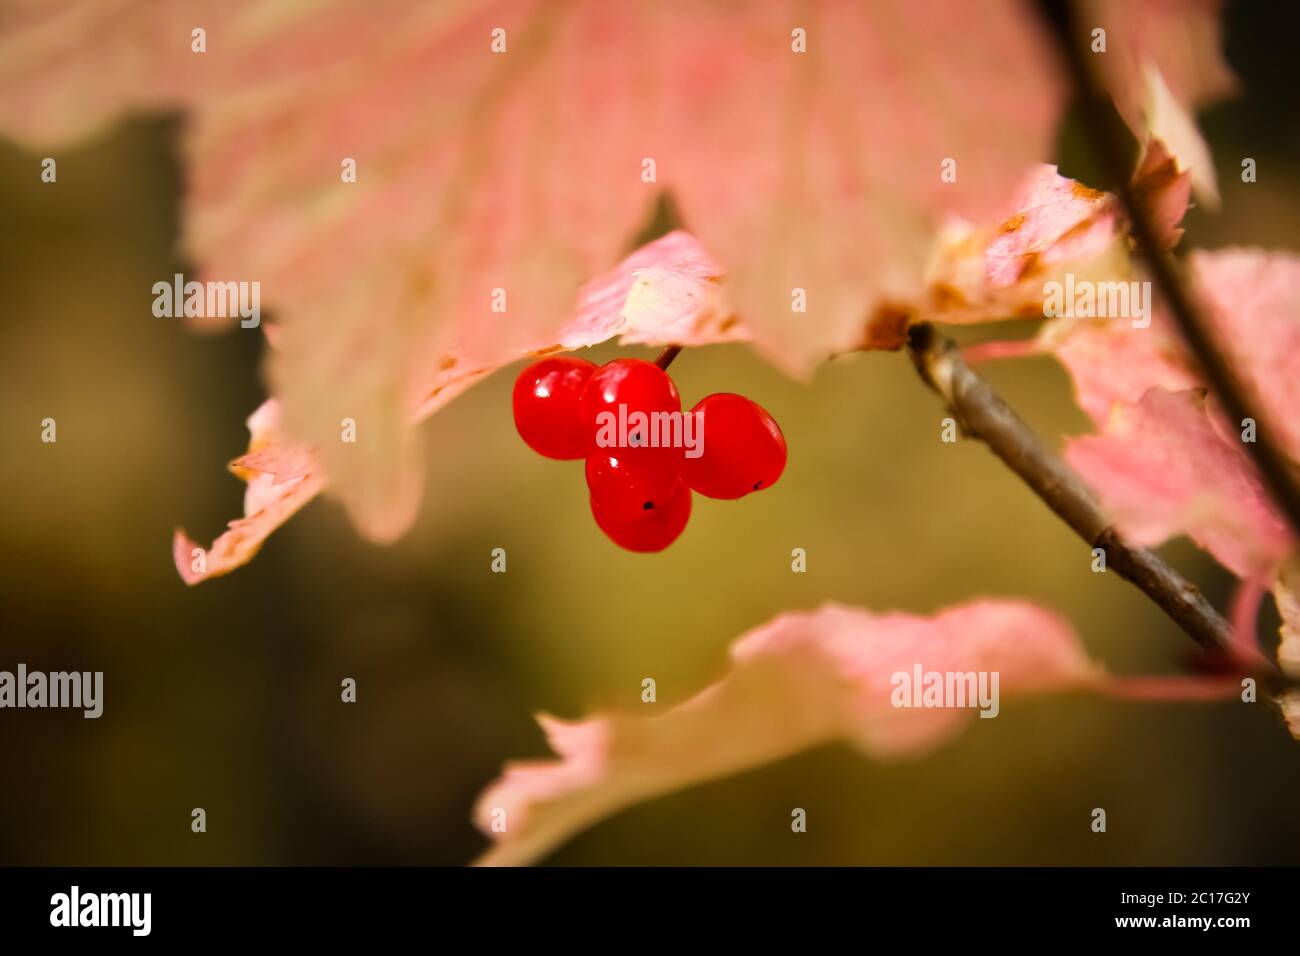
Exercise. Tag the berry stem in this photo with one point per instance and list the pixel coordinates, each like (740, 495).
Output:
(666, 357)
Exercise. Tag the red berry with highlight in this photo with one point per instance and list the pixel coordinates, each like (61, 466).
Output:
(635, 385)
(630, 482)
(546, 400)
(743, 448)
(653, 530)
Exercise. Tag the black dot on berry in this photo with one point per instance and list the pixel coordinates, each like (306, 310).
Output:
(757, 485)
(648, 506)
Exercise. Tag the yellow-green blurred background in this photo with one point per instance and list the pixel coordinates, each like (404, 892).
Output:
(226, 696)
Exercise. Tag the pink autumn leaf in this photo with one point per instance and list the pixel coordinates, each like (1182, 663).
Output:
(1163, 468)
(1051, 225)
(1162, 61)
(1078, 238)
(281, 478)
(667, 291)
(1114, 364)
(798, 681)
(1056, 220)
(1249, 297)
(1164, 189)
(1171, 125)
(1175, 35)
(1253, 300)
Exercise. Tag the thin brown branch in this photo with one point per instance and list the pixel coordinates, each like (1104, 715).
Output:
(666, 357)
(983, 414)
(1108, 138)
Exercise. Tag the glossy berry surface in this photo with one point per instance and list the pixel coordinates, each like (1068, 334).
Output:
(630, 482)
(634, 384)
(546, 404)
(653, 530)
(744, 450)
(639, 472)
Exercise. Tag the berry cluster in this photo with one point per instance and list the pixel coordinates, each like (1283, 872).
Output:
(644, 456)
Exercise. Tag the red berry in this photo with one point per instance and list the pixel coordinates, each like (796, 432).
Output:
(653, 530)
(546, 406)
(744, 450)
(635, 385)
(632, 481)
